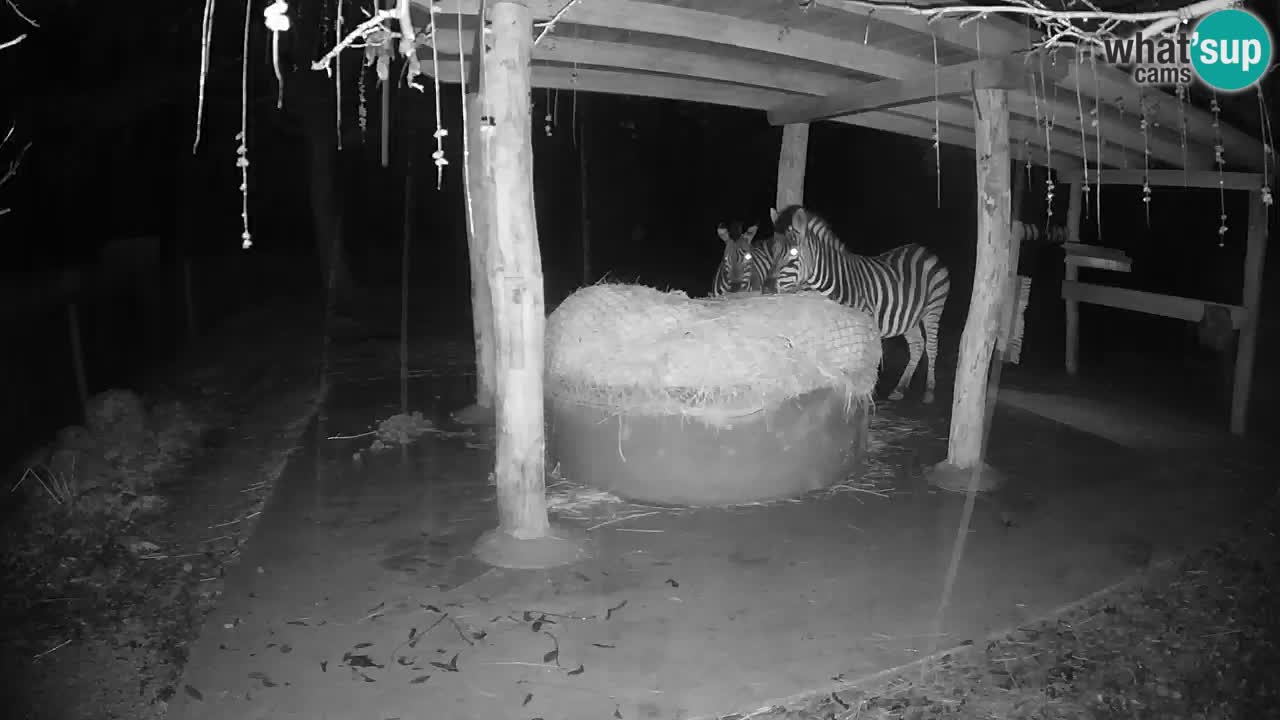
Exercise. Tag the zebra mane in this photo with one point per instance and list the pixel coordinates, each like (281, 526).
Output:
(825, 235)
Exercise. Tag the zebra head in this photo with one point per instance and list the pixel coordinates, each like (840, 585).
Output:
(793, 265)
(740, 269)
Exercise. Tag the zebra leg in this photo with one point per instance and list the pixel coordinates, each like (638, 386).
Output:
(930, 325)
(915, 344)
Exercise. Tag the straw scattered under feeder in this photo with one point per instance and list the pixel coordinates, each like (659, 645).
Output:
(663, 398)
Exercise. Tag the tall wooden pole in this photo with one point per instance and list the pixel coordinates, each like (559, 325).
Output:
(1074, 206)
(584, 189)
(1254, 259)
(524, 536)
(479, 197)
(990, 280)
(792, 161)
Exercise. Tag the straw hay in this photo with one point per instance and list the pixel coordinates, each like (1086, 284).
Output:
(647, 352)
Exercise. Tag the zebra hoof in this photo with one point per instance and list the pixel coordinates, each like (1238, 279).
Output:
(928, 397)
(895, 395)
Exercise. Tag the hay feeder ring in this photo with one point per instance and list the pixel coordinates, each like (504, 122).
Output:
(663, 399)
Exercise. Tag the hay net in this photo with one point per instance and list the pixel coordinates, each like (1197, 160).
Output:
(647, 352)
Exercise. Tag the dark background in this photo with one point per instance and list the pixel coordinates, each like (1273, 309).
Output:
(106, 96)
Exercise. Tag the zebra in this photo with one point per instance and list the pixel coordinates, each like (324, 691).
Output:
(747, 260)
(905, 289)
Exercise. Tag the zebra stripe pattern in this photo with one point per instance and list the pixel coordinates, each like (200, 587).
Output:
(747, 260)
(904, 289)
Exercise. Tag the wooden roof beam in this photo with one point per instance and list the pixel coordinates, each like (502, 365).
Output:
(780, 76)
(1008, 73)
(956, 123)
(1204, 179)
(713, 28)
(998, 35)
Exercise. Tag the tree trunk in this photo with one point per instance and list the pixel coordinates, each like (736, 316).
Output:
(326, 203)
(480, 236)
(792, 160)
(991, 278)
(584, 189)
(516, 285)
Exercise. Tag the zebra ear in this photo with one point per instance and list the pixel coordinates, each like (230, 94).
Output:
(749, 234)
(773, 215)
(799, 218)
(723, 232)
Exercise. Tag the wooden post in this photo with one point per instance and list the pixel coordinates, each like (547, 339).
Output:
(991, 278)
(1254, 259)
(792, 160)
(1074, 206)
(584, 190)
(479, 237)
(524, 536)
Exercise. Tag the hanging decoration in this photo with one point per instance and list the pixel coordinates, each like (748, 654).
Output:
(362, 107)
(937, 125)
(466, 135)
(438, 156)
(1095, 121)
(1048, 144)
(1084, 143)
(1181, 92)
(546, 120)
(1268, 145)
(276, 16)
(1220, 162)
(242, 150)
(1146, 157)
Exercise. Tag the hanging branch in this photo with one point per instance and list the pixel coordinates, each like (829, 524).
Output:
(206, 39)
(13, 166)
(337, 79)
(547, 26)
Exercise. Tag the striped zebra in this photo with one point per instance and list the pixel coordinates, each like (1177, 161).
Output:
(904, 289)
(747, 260)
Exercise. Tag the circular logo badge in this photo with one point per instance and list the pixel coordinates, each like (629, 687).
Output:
(1231, 49)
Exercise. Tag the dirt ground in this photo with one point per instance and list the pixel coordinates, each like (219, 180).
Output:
(114, 647)
(1190, 637)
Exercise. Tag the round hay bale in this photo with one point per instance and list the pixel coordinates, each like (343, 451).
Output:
(665, 399)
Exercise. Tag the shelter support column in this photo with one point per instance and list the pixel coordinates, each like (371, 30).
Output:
(991, 284)
(479, 222)
(524, 537)
(1075, 202)
(1255, 255)
(792, 160)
